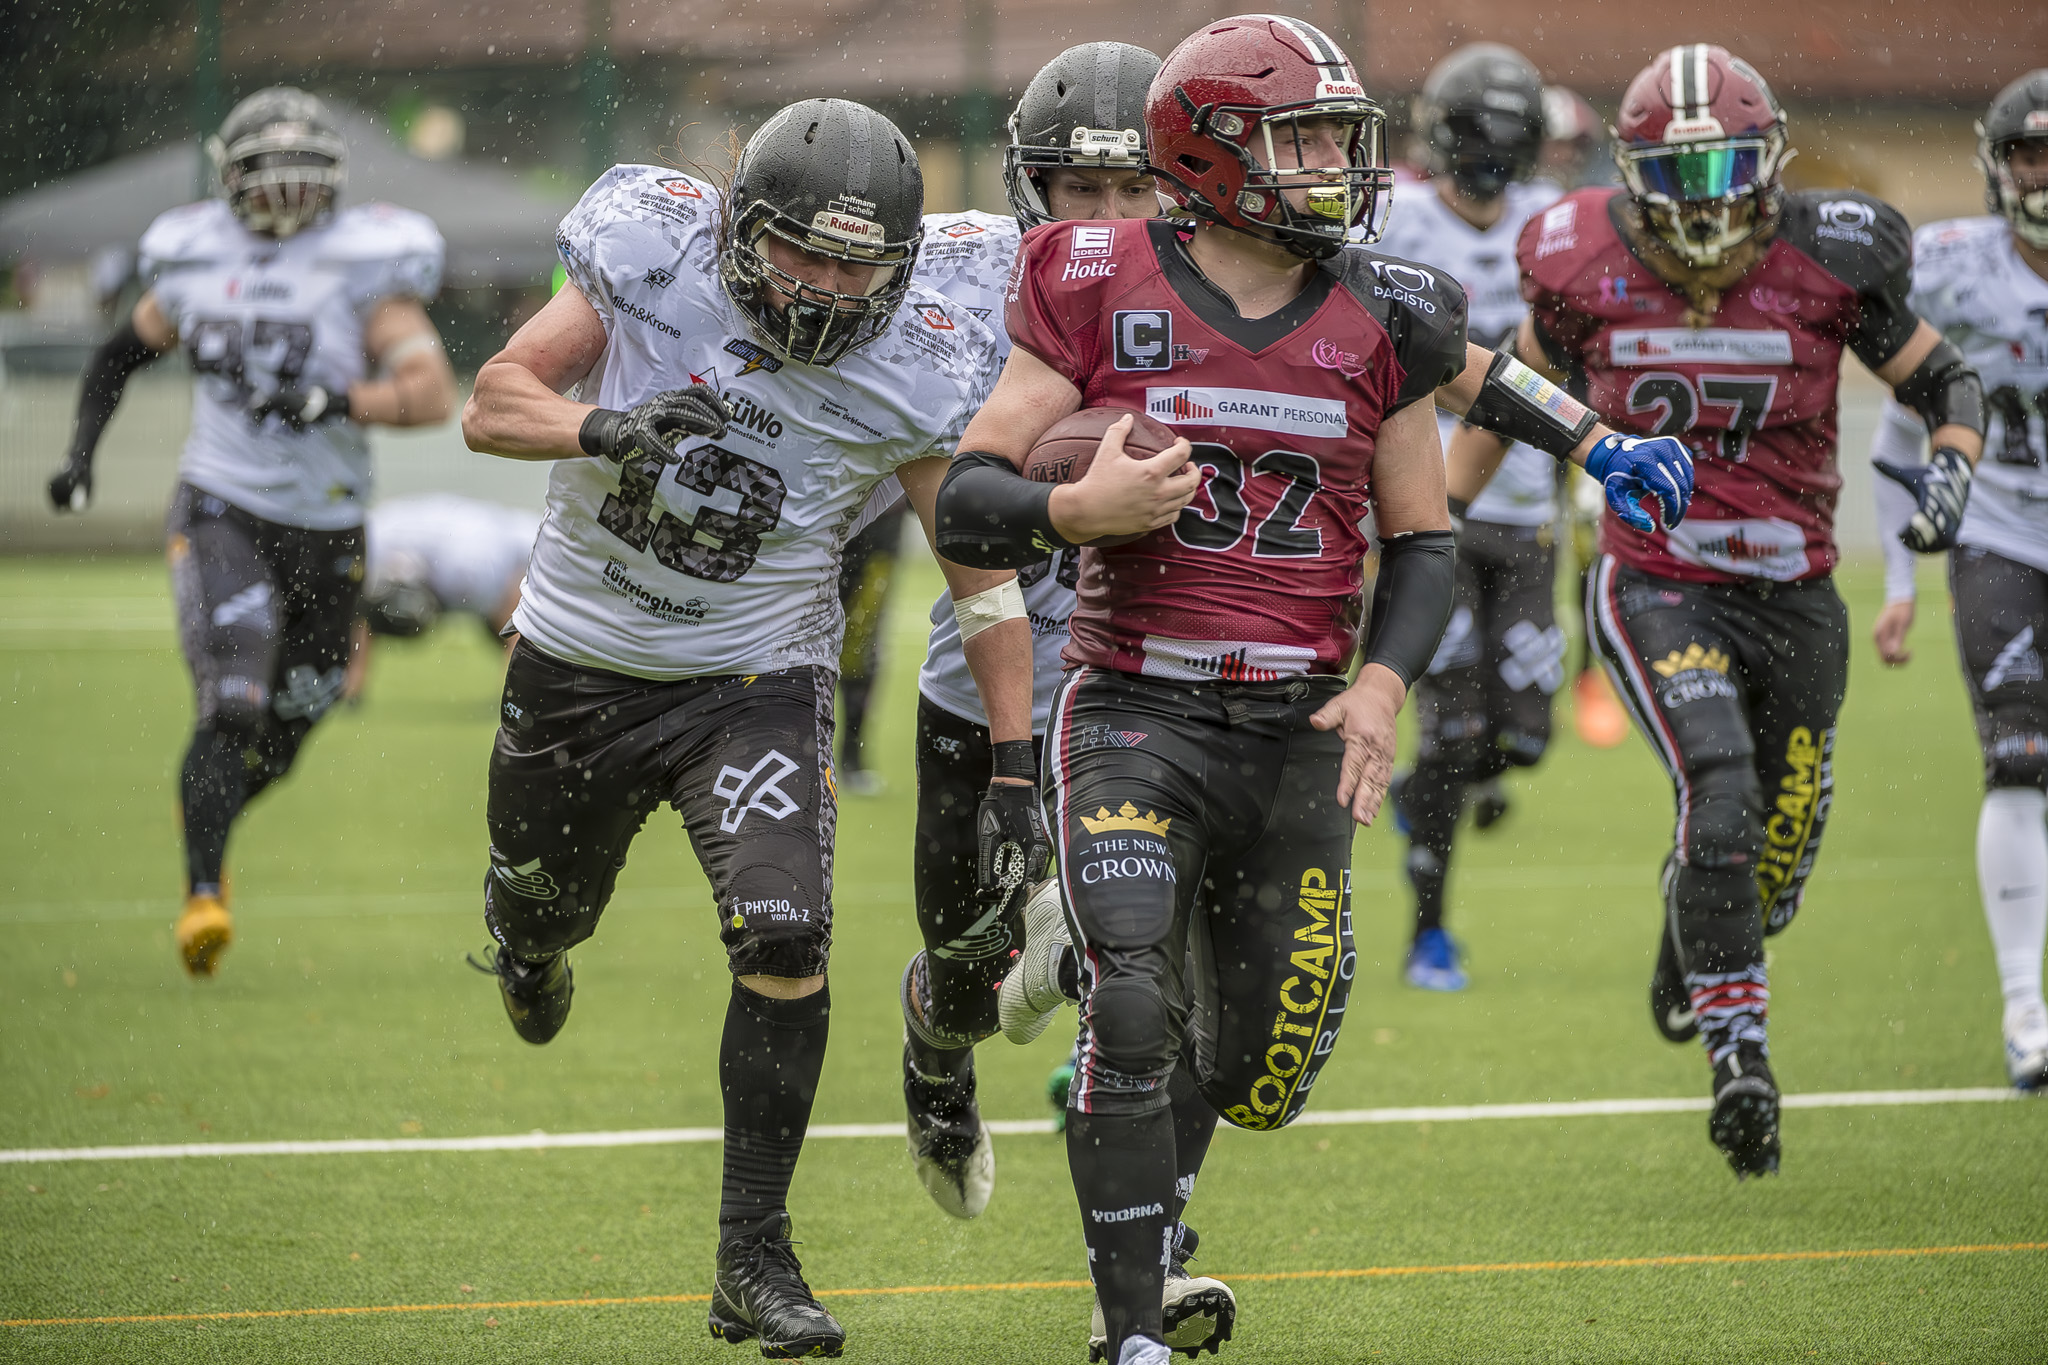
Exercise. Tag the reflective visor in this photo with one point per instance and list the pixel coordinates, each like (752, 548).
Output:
(1713, 170)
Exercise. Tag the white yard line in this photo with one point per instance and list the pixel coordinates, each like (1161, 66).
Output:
(662, 1137)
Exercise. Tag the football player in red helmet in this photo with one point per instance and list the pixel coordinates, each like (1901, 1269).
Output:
(1707, 302)
(1205, 725)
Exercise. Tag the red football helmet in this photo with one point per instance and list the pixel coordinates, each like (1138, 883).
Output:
(1701, 144)
(1217, 99)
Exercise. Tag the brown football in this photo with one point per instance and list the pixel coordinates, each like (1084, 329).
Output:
(1066, 450)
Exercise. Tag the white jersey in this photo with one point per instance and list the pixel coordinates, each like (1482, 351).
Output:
(1970, 283)
(469, 553)
(257, 315)
(1421, 227)
(967, 257)
(727, 561)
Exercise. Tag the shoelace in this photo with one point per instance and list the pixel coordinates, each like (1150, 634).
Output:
(772, 1263)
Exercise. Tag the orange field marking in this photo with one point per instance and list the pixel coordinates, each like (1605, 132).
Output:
(1368, 1272)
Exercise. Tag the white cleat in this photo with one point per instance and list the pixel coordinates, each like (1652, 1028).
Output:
(958, 1176)
(1144, 1351)
(2026, 1049)
(1198, 1313)
(1030, 994)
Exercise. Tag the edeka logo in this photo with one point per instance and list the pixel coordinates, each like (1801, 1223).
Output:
(1798, 810)
(1254, 409)
(1143, 339)
(1311, 1000)
(1705, 346)
(1085, 243)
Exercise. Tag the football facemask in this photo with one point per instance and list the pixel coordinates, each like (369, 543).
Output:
(807, 322)
(283, 177)
(1704, 199)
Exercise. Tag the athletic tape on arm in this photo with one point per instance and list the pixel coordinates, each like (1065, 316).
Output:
(1003, 602)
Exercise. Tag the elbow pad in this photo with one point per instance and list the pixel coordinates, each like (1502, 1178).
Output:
(1519, 404)
(988, 516)
(1944, 390)
(1411, 602)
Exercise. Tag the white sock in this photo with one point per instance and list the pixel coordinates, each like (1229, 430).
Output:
(2012, 874)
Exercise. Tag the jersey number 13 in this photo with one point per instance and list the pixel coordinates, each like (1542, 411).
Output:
(732, 502)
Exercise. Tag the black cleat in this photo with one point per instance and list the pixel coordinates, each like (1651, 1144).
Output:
(1744, 1124)
(1489, 804)
(1670, 1002)
(760, 1292)
(1196, 1313)
(536, 993)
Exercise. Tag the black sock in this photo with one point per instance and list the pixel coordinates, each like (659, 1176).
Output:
(1122, 1166)
(1194, 1123)
(768, 1065)
(211, 791)
(1431, 800)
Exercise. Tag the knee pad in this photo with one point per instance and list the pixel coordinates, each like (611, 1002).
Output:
(774, 923)
(532, 913)
(2017, 755)
(238, 708)
(1127, 1017)
(1723, 822)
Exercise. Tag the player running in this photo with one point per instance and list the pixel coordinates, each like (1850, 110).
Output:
(1076, 152)
(1709, 303)
(1483, 705)
(1984, 283)
(760, 360)
(288, 304)
(1205, 758)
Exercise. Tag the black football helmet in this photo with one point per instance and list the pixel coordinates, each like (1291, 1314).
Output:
(397, 601)
(1480, 118)
(836, 179)
(1085, 107)
(281, 160)
(2019, 114)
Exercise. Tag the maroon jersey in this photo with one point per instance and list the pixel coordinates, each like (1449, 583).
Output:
(1260, 576)
(1753, 395)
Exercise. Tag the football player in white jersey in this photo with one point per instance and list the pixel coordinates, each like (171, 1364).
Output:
(759, 359)
(305, 324)
(1484, 705)
(1984, 283)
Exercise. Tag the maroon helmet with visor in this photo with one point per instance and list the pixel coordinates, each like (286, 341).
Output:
(1231, 97)
(1701, 146)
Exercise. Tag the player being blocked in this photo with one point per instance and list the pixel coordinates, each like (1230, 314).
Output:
(1708, 303)
(1206, 760)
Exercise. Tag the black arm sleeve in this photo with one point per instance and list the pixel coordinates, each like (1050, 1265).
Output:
(1521, 405)
(1411, 602)
(106, 375)
(991, 517)
(1944, 390)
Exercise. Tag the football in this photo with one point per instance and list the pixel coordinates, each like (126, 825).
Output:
(1065, 451)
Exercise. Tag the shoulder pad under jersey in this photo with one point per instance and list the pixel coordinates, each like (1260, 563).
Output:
(1860, 240)
(1422, 308)
(191, 234)
(391, 250)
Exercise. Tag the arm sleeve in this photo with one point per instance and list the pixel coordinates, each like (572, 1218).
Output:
(1901, 440)
(988, 516)
(106, 376)
(1411, 601)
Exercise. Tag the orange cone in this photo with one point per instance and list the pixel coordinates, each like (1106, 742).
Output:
(1599, 717)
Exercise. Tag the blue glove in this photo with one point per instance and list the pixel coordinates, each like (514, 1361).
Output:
(1940, 489)
(1630, 466)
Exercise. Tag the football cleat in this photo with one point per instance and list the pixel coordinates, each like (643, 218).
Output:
(1030, 995)
(203, 933)
(2026, 1050)
(1670, 1001)
(759, 1291)
(1197, 1313)
(536, 993)
(1489, 804)
(1433, 962)
(1744, 1121)
(1596, 713)
(950, 1145)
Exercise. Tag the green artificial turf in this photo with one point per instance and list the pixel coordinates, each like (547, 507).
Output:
(344, 1011)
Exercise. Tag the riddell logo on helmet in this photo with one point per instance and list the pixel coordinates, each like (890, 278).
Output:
(842, 225)
(1693, 129)
(1333, 90)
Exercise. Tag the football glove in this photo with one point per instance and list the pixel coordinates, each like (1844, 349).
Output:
(1941, 488)
(650, 428)
(301, 409)
(71, 485)
(1010, 839)
(1632, 467)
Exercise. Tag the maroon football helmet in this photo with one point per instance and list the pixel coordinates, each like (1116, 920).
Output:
(1211, 118)
(1701, 145)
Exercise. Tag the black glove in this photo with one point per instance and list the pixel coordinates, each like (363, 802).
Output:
(1011, 843)
(301, 409)
(1941, 487)
(71, 485)
(652, 426)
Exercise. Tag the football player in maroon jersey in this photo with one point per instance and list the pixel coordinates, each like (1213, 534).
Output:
(1205, 759)
(1704, 301)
